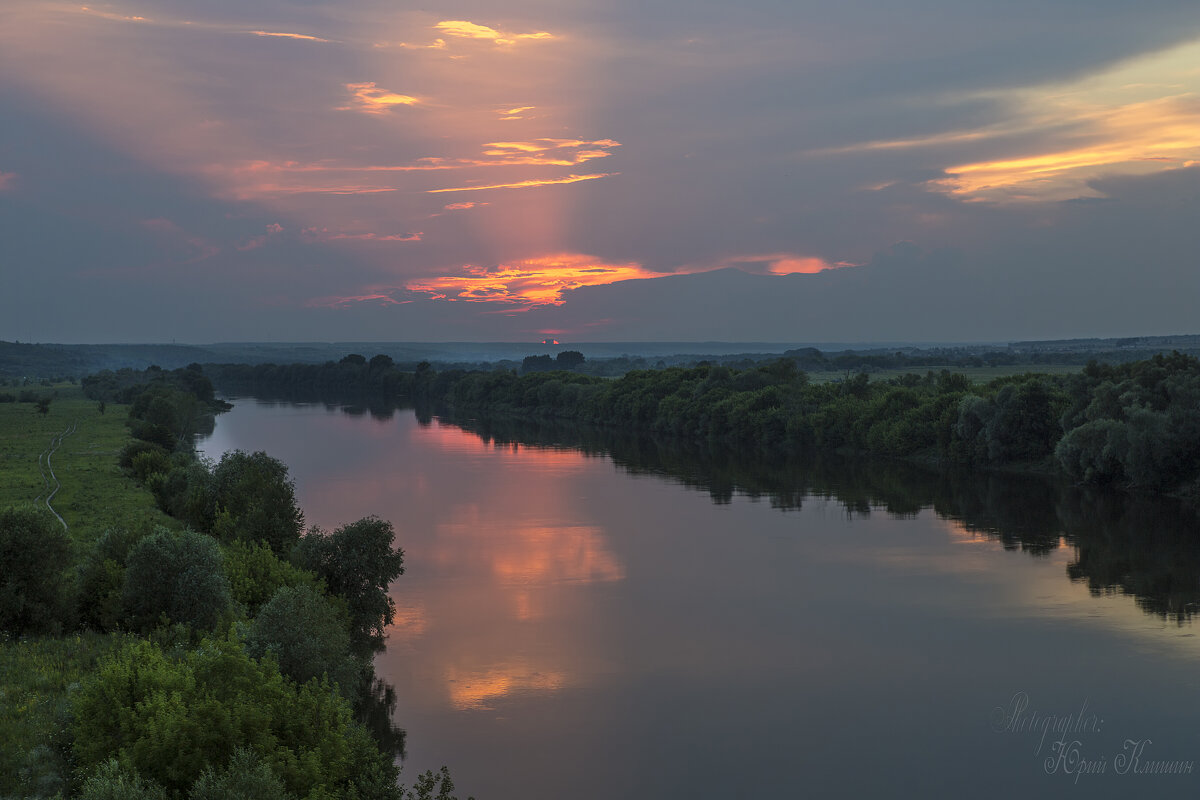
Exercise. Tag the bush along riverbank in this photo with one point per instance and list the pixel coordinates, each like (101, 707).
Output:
(224, 652)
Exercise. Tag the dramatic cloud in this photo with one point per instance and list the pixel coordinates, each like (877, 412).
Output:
(526, 283)
(1139, 117)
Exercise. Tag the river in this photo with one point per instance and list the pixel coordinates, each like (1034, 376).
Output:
(584, 616)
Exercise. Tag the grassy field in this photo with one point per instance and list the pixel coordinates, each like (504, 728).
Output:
(36, 674)
(35, 678)
(95, 494)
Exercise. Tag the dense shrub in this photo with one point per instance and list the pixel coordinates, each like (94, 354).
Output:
(171, 720)
(255, 574)
(34, 551)
(101, 601)
(111, 781)
(177, 576)
(308, 635)
(357, 562)
(245, 777)
(256, 501)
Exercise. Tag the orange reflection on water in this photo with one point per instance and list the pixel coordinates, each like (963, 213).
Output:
(516, 559)
(473, 689)
(523, 559)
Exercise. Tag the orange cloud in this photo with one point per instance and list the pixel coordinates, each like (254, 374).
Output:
(305, 37)
(1137, 138)
(514, 113)
(448, 207)
(548, 152)
(249, 179)
(470, 30)
(111, 16)
(526, 184)
(1139, 117)
(529, 282)
(373, 100)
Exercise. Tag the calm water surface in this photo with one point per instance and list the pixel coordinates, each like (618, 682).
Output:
(574, 626)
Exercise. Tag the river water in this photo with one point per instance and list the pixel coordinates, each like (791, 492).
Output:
(589, 617)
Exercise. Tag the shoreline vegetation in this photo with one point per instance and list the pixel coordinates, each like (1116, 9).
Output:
(182, 634)
(1133, 425)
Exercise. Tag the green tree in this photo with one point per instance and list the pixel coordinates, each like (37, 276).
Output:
(100, 603)
(176, 575)
(34, 549)
(255, 574)
(308, 635)
(357, 562)
(256, 501)
(170, 720)
(569, 359)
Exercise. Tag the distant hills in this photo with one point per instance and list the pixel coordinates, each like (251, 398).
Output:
(38, 361)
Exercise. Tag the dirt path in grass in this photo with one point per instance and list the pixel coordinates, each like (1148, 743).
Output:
(52, 480)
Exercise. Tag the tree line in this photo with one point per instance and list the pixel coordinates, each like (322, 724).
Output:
(1135, 424)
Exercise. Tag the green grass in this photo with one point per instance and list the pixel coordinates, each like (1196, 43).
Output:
(95, 494)
(36, 676)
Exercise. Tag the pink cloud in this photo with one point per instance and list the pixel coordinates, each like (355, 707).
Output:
(8, 181)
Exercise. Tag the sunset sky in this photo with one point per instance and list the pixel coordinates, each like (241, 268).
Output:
(599, 170)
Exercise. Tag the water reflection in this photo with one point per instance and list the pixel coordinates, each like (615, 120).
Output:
(1145, 547)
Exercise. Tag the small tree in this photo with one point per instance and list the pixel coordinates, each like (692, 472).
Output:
(111, 781)
(33, 551)
(358, 562)
(308, 634)
(245, 777)
(176, 575)
(256, 501)
(569, 359)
